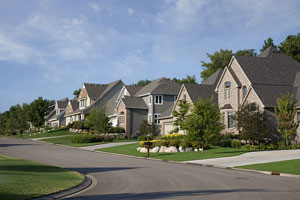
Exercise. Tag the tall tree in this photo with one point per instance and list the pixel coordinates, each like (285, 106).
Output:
(246, 52)
(188, 79)
(147, 129)
(97, 119)
(181, 115)
(76, 93)
(142, 82)
(291, 46)
(285, 113)
(267, 43)
(37, 111)
(204, 124)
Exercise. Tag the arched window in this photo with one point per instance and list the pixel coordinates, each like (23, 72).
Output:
(122, 118)
(244, 91)
(227, 90)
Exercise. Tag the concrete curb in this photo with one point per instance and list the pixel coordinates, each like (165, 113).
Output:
(84, 186)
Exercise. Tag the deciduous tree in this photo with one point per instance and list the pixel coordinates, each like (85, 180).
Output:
(291, 46)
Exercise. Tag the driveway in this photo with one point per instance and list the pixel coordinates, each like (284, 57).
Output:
(125, 178)
(251, 158)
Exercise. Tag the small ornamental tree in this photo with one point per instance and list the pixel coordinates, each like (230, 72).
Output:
(147, 129)
(285, 113)
(181, 115)
(250, 122)
(97, 120)
(204, 124)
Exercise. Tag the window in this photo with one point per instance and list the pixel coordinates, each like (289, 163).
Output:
(158, 99)
(156, 120)
(244, 91)
(298, 117)
(223, 118)
(175, 98)
(230, 122)
(227, 90)
(150, 100)
(122, 118)
(81, 103)
(184, 97)
(254, 107)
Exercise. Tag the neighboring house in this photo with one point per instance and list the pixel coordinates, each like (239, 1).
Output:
(259, 80)
(56, 116)
(190, 93)
(148, 103)
(91, 96)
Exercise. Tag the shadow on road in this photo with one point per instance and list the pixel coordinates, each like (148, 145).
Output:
(100, 169)
(10, 145)
(163, 195)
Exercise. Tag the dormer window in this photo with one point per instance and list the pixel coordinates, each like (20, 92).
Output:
(158, 100)
(244, 91)
(81, 104)
(227, 90)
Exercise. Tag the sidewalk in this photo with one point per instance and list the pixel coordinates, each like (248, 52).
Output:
(101, 146)
(251, 158)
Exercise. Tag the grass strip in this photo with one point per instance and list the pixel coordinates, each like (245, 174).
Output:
(22, 179)
(67, 141)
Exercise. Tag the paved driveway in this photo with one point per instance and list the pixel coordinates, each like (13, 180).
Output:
(251, 158)
(130, 178)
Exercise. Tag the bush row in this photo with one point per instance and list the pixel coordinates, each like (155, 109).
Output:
(176, 143)
(82, 125)
(173, 136)
(88, 138)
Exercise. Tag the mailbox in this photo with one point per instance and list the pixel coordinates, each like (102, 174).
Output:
(148, 144)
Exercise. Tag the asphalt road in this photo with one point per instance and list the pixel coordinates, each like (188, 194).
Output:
(132, 178)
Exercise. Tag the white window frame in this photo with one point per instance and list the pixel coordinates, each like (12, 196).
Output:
(156, 120)
(122, 117)
(81, 103)
(227, 90)
(157, 98)
(245, 90)
(229, 120)
(150, 100)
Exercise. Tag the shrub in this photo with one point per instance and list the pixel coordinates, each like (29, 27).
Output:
(173, 136)
(185, 144)
(78, 125)
(236, 144)
(225, 143)
(116, 129)
(144, 138)
(272, 146)
(175, 143)
(88, 138)
(196, 145)
(295, 146)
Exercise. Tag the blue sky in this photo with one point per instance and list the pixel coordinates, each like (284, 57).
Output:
(49, 48)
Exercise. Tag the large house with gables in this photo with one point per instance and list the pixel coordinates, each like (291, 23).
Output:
(56, 113)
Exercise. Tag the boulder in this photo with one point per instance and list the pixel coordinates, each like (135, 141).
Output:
(172, 149)
(139, 148)
(181, 149)
(195, 149)
(154, 150)
(189, 149)
(143, 150)
(163, 149)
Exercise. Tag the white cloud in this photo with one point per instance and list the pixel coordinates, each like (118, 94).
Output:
(130, 11)
(94, 6)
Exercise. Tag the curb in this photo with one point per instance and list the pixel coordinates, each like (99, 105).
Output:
(84, 186)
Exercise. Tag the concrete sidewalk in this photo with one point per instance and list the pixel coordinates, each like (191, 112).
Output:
(101, 146)
(251, 158)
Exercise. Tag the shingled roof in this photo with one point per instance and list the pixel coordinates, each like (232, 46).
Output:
(95, 90)
(160, 86)
(134, 102)
(214, 78)
(133, 89)
(196, 91)
(62, 104)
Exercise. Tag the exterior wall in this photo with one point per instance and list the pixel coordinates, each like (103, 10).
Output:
(168, 101)
(110, 99)
(137, 117)
(253, 98)
(121, 108)
(297, 136)
(150, 106)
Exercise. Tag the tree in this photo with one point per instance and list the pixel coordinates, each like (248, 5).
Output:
(76, 93)
(291, 46)
(267, 43)
(181, 115)
(250, 122)
(188, 79)
(147, 129)
(285, 113)
(37, 111)
(246, 52)
(204, 124)
(97, 119)
(142, 82)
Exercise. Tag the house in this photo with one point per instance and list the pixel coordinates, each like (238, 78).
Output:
(190, 92)
(92, 96)
(260, 81)
(56, 116)
(148, 103)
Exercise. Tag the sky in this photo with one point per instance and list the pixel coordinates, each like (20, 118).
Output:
(49, 48)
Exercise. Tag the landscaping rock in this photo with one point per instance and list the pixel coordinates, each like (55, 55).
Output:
(139, 148)
(195, 149)
(155, 150)
(172, 149)
(163, 149)
(143, 150)
(190, 149)
(181, 149)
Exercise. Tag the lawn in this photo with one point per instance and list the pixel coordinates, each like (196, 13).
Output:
(214, 152)
(288, 166)
(67, 141)
(22, 179)
(52, 133)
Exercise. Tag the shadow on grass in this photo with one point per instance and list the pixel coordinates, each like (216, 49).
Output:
(4, 196)
(169, 194)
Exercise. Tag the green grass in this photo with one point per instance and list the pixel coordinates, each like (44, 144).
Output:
(214, 152)
(288, 166)
(67, 141)
(46, 134)
(21, 179)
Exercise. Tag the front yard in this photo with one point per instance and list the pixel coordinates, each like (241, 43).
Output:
(67, 141)
(214, 152)
(22, 179)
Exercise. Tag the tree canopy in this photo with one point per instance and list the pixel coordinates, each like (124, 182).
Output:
(188, 79)
(76, 93)
(267, 43)
(291, 46)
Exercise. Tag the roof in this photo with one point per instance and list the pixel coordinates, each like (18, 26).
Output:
(269, 94)
(134, 103)
(160, 86)
(269, 68)
(74, 104)
(214, 78)
(133, 89)
(196, 91)
(109, 87)
(63, 103)
(95, 90)
(227, 106)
